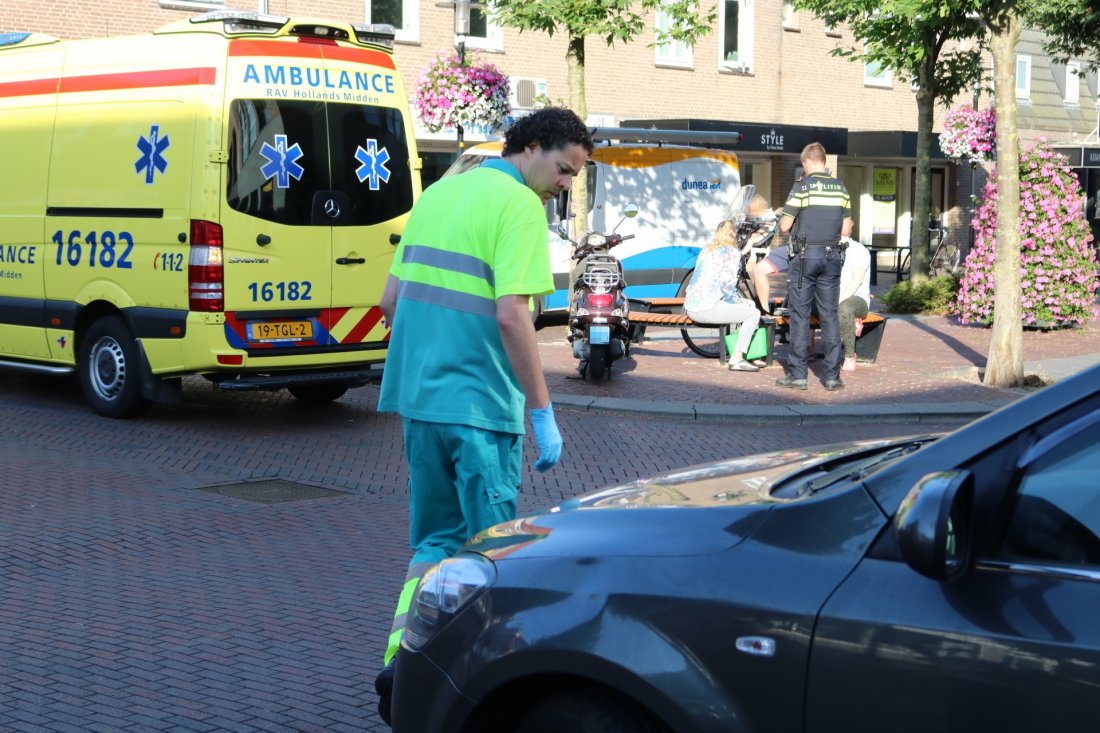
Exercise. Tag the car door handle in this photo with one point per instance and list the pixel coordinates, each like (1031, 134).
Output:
(350, 260)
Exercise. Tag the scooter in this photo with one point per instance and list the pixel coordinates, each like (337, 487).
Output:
(599, 313)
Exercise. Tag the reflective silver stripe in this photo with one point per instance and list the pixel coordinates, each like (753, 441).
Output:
(420, 254)
(435, 295)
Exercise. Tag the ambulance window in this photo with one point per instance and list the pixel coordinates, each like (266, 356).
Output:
(278, 158)
(370, 162)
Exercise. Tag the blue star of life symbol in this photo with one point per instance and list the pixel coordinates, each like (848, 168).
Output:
(373, 164)
(152, 154)
(282, 162)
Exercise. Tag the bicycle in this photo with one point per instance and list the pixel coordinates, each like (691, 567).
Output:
(946, 256)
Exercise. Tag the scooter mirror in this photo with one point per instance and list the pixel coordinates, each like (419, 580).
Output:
(563, 232)
(630, 211)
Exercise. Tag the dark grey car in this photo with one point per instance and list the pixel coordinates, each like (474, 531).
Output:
(918, 585)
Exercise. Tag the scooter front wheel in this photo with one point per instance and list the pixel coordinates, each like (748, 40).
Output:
(598, 361)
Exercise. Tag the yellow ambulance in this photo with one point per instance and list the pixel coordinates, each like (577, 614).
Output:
(221, 197)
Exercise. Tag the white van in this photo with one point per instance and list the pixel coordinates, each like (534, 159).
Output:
(682, 193)
(221, 197)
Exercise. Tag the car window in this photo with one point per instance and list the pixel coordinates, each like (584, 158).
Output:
(1057, 514)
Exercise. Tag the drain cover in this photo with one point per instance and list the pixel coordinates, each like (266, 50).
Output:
(272, 491)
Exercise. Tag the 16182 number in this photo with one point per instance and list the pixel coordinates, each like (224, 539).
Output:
(105, 249)
(267, 292)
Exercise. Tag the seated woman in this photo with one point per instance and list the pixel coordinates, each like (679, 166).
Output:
(712, 295)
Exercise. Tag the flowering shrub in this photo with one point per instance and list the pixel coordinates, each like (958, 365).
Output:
(450, 93)
(1058, 278)
(969, 135)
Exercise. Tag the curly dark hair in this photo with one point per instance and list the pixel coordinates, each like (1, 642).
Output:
(551, 127)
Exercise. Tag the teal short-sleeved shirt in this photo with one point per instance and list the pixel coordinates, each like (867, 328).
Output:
(470, 239)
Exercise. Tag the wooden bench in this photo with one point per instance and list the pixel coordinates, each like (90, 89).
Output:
(659, 312)
(867, 343)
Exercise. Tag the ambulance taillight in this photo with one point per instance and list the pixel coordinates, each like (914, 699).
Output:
(205, 274)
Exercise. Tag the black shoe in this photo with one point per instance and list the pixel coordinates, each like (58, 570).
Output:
(834, 384)
(383, 685)
(791, 382)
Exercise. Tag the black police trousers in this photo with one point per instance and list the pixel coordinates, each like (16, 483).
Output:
(815, 280)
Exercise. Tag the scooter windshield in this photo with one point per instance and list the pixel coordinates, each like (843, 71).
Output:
(738, 210)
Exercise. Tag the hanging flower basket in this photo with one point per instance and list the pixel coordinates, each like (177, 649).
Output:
(450, 93)
(969, 135)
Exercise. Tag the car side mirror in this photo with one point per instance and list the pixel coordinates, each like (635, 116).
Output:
(933, 525)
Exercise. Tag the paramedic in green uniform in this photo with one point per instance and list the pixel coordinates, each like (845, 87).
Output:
(463, 362)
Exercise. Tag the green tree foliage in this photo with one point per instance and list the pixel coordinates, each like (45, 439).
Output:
(612, 21)
(1072, 28)
(920, 46)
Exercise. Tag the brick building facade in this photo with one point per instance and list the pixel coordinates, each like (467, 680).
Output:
(770, 66)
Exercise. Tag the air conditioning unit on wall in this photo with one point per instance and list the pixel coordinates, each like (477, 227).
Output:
(523, 90)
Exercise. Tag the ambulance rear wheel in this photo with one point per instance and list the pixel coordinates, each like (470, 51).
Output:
(110, 369)
(317, 394)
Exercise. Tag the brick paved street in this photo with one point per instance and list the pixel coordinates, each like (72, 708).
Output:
(136, 598)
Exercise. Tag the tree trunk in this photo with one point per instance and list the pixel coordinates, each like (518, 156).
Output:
(578, 102)
(1005, 364)
(918, 245)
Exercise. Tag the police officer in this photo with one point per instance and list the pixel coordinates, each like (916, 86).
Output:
(817, 214)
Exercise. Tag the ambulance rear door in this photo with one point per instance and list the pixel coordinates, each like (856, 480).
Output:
(374, 184)
(277, 252)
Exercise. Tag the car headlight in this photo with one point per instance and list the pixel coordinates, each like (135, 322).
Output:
(445, 590)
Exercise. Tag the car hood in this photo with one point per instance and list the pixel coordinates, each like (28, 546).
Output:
(690, 511)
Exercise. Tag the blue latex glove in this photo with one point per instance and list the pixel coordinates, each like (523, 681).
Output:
(546, 436)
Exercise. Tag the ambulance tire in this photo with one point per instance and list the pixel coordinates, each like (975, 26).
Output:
(317, 394)
(110, 369)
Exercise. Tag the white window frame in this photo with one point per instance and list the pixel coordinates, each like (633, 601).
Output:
(746, 23)
(410, 12)
(1073, 82)
(884, 78)
(1023, 81)
(674, 53)
(493, 40)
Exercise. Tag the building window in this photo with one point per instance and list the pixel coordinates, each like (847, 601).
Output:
(484, 33)
(874, 75)
(790, 17)
(1023, 77)
(403, 15)
(1073, 83)
(671, 53)
(736, 24)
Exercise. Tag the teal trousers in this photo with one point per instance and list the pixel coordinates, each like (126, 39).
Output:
(461, 480)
